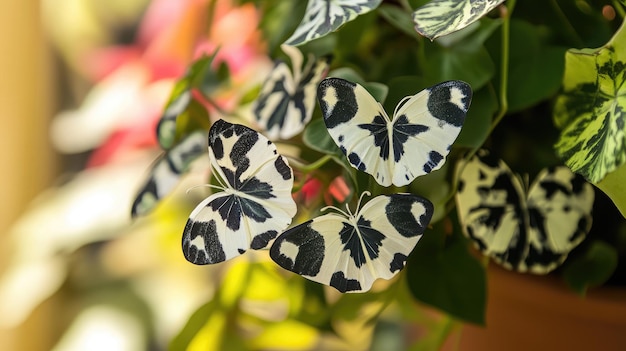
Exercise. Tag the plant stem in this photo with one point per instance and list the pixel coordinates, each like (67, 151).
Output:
(311, 166)
(504, 81)
(567, 24)
(619, 8)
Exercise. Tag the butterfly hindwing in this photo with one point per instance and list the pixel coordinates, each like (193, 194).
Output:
(256, 203)
(525, 232)
(394, 150)
(349, 254)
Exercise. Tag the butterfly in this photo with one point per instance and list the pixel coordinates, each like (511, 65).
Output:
(255, 203)
(524, 231)
(166, 172)
(287, 99)
(324, 16)
(350, 251)
(395, 151)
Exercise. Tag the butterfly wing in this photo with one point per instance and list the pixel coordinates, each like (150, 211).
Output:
(559, 205)
(359, 126)
(286, 102)
(325, 16)
(166, 172)
(255, 206)
(491, 209)
(350, 255)
(424, 128)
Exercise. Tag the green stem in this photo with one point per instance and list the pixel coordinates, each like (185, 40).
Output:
(311, 166)
(619, 8)
(566, 24)
(504, 81)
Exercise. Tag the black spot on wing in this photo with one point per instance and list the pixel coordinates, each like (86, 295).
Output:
(402, 130)
(397, 263)
(229, 208)
(277, 116)
(260, 241)
(434, 158)
(378, 129)
(218, 148)
(440, 104)
(399, 214)
(356, 161)
(311, 248)
(238, 154)
(346, 106)
(212, 252)
(369, 237)
(282, 168)
(339, 282)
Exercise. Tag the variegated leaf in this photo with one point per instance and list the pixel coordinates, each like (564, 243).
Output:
(442, 17)
(325, 16)
(590, 111)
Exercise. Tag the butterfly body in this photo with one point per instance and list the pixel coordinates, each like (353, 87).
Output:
(255, 204)
(414, 142)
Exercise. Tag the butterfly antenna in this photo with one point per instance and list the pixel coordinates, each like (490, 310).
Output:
(326, 208)
(203, 185)
(401, 103)
(358, 204)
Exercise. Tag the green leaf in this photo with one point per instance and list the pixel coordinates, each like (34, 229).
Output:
(478, 120)
(614, 186)
(319, 21)
(593, 268)
(463, 58)
(442, 17)
(590, 111)
(441, 272)
(195, 323)
(317, 138)
(535, 68)
(377, 90)
(398, 18)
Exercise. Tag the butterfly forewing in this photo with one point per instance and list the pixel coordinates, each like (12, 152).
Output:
(349, 254)
(167, 171)
(394, 151)
(255, 205)
(560, 206)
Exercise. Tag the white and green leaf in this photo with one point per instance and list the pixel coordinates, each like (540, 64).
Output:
(590, 111)
(441, 17)
(325, 16)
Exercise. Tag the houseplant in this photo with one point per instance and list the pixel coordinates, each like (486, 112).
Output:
(523, 93)
(513, 59)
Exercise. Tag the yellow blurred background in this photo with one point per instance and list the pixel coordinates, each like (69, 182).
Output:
(29, 164)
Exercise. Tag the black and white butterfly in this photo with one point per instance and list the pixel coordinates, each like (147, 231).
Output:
(395, 151)
(167, 171)
(287, 99)
(350, 251)
(324, 16)
(526, 231)
(255, 204)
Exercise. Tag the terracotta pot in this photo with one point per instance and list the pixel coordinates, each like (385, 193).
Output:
(526, 312)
